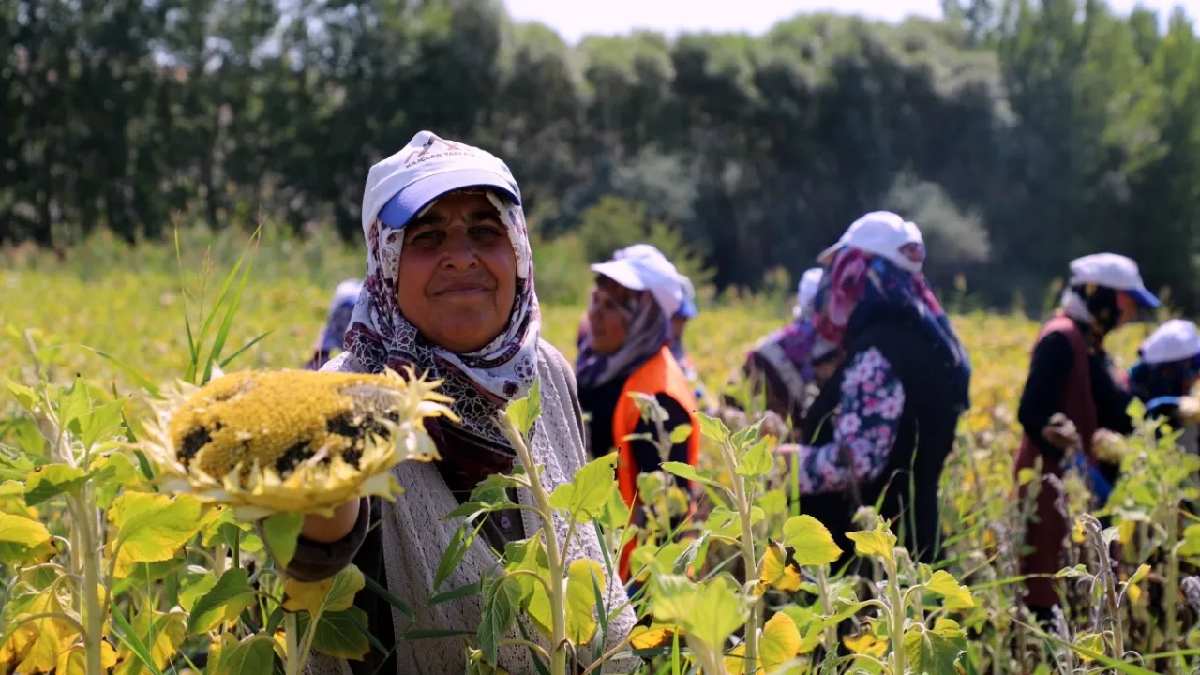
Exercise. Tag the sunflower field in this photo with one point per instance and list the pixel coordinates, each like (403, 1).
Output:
(131, 541)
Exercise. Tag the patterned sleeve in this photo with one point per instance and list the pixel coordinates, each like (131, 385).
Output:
(866, 424)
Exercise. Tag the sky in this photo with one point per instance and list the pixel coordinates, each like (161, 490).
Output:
(575, 18)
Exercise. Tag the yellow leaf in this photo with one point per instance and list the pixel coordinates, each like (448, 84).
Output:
(305, 596)
(1135, 593)
(581, 599)
(651, 637)
(866, 643)
(811, 542)
(877, 543)
(1140, 573)
(1092, 642)
(956, 595)
(38, 643)
(21, 530)
(1125, 532)
(151, 527)
(735, 661)
(780, 642)
(777, 573)
(73, 661)
(328, 595)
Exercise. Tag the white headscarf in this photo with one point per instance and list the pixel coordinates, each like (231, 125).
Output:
(479, 381)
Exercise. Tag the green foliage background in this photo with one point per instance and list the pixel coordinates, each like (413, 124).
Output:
(1019, 133)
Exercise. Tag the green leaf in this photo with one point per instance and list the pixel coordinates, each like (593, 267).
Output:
(102, 422)
(201, 584)
(709, 612)
(128, 637)
(757, 460)
(150, 527)
(681, 433)
(50, 480)
(26, 396)
(253, 656)
(585, 497)
(343, 634)
(688, 472)
(937, 650)
(582, 576)
(810, 540)
(134, 374)
(225, 601)
(280, 533)
(522, 412)
(459, 544)
(501, 597)
(956, 595)
(712, 428)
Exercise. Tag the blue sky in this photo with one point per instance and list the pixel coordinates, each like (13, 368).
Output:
(574, 18)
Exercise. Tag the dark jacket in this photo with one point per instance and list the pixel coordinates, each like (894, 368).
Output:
(907, 489)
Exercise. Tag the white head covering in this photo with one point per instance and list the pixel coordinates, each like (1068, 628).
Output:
(884, 234)
(380, 335)
(1175, 340)
(806, 292)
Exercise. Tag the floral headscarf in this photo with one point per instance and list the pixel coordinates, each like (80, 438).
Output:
(859, 286)
(480, 381)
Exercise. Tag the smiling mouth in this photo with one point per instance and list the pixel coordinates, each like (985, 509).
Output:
(461, 291)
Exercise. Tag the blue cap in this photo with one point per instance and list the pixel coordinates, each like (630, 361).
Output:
(1144, 298)
(399, 186)
(408, 202)
(688, 310)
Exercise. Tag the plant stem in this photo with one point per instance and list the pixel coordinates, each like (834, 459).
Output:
(93, 619)
(831, 641)
(897, 612)
(554, 561)
(293, 646)
(1171, 592)
(749, 559)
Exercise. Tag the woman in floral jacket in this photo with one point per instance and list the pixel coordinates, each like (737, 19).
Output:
(883, 423)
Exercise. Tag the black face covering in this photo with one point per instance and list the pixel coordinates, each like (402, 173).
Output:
(1101, 304)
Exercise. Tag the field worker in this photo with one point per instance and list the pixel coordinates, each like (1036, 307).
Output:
(687, 311)
(780, 366)
(884, 419)
(625, 350)
(1167, 368)
(336, 322)
(449, 291)
(1072, 395)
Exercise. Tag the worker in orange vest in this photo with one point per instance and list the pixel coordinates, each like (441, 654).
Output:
(624, 349)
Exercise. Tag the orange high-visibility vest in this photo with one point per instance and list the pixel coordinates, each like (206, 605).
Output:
(659, 375)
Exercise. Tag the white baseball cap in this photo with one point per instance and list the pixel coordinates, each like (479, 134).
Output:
(1175, 340)
(427, 168)
(347, 292)
(806, 293)
(687, 308)
(644, 268)
(885, 234)
(1112, 271)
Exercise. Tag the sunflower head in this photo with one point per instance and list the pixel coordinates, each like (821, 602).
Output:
(293, 440)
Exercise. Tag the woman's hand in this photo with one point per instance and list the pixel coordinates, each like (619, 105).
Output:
(328, 530)
(1060, 432)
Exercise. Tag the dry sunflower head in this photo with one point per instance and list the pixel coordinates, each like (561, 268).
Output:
(292, 440)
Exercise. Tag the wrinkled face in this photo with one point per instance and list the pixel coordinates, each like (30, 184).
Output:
(457, 276)
(609, 314)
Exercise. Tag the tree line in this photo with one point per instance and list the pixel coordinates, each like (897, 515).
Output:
(1017, 133)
